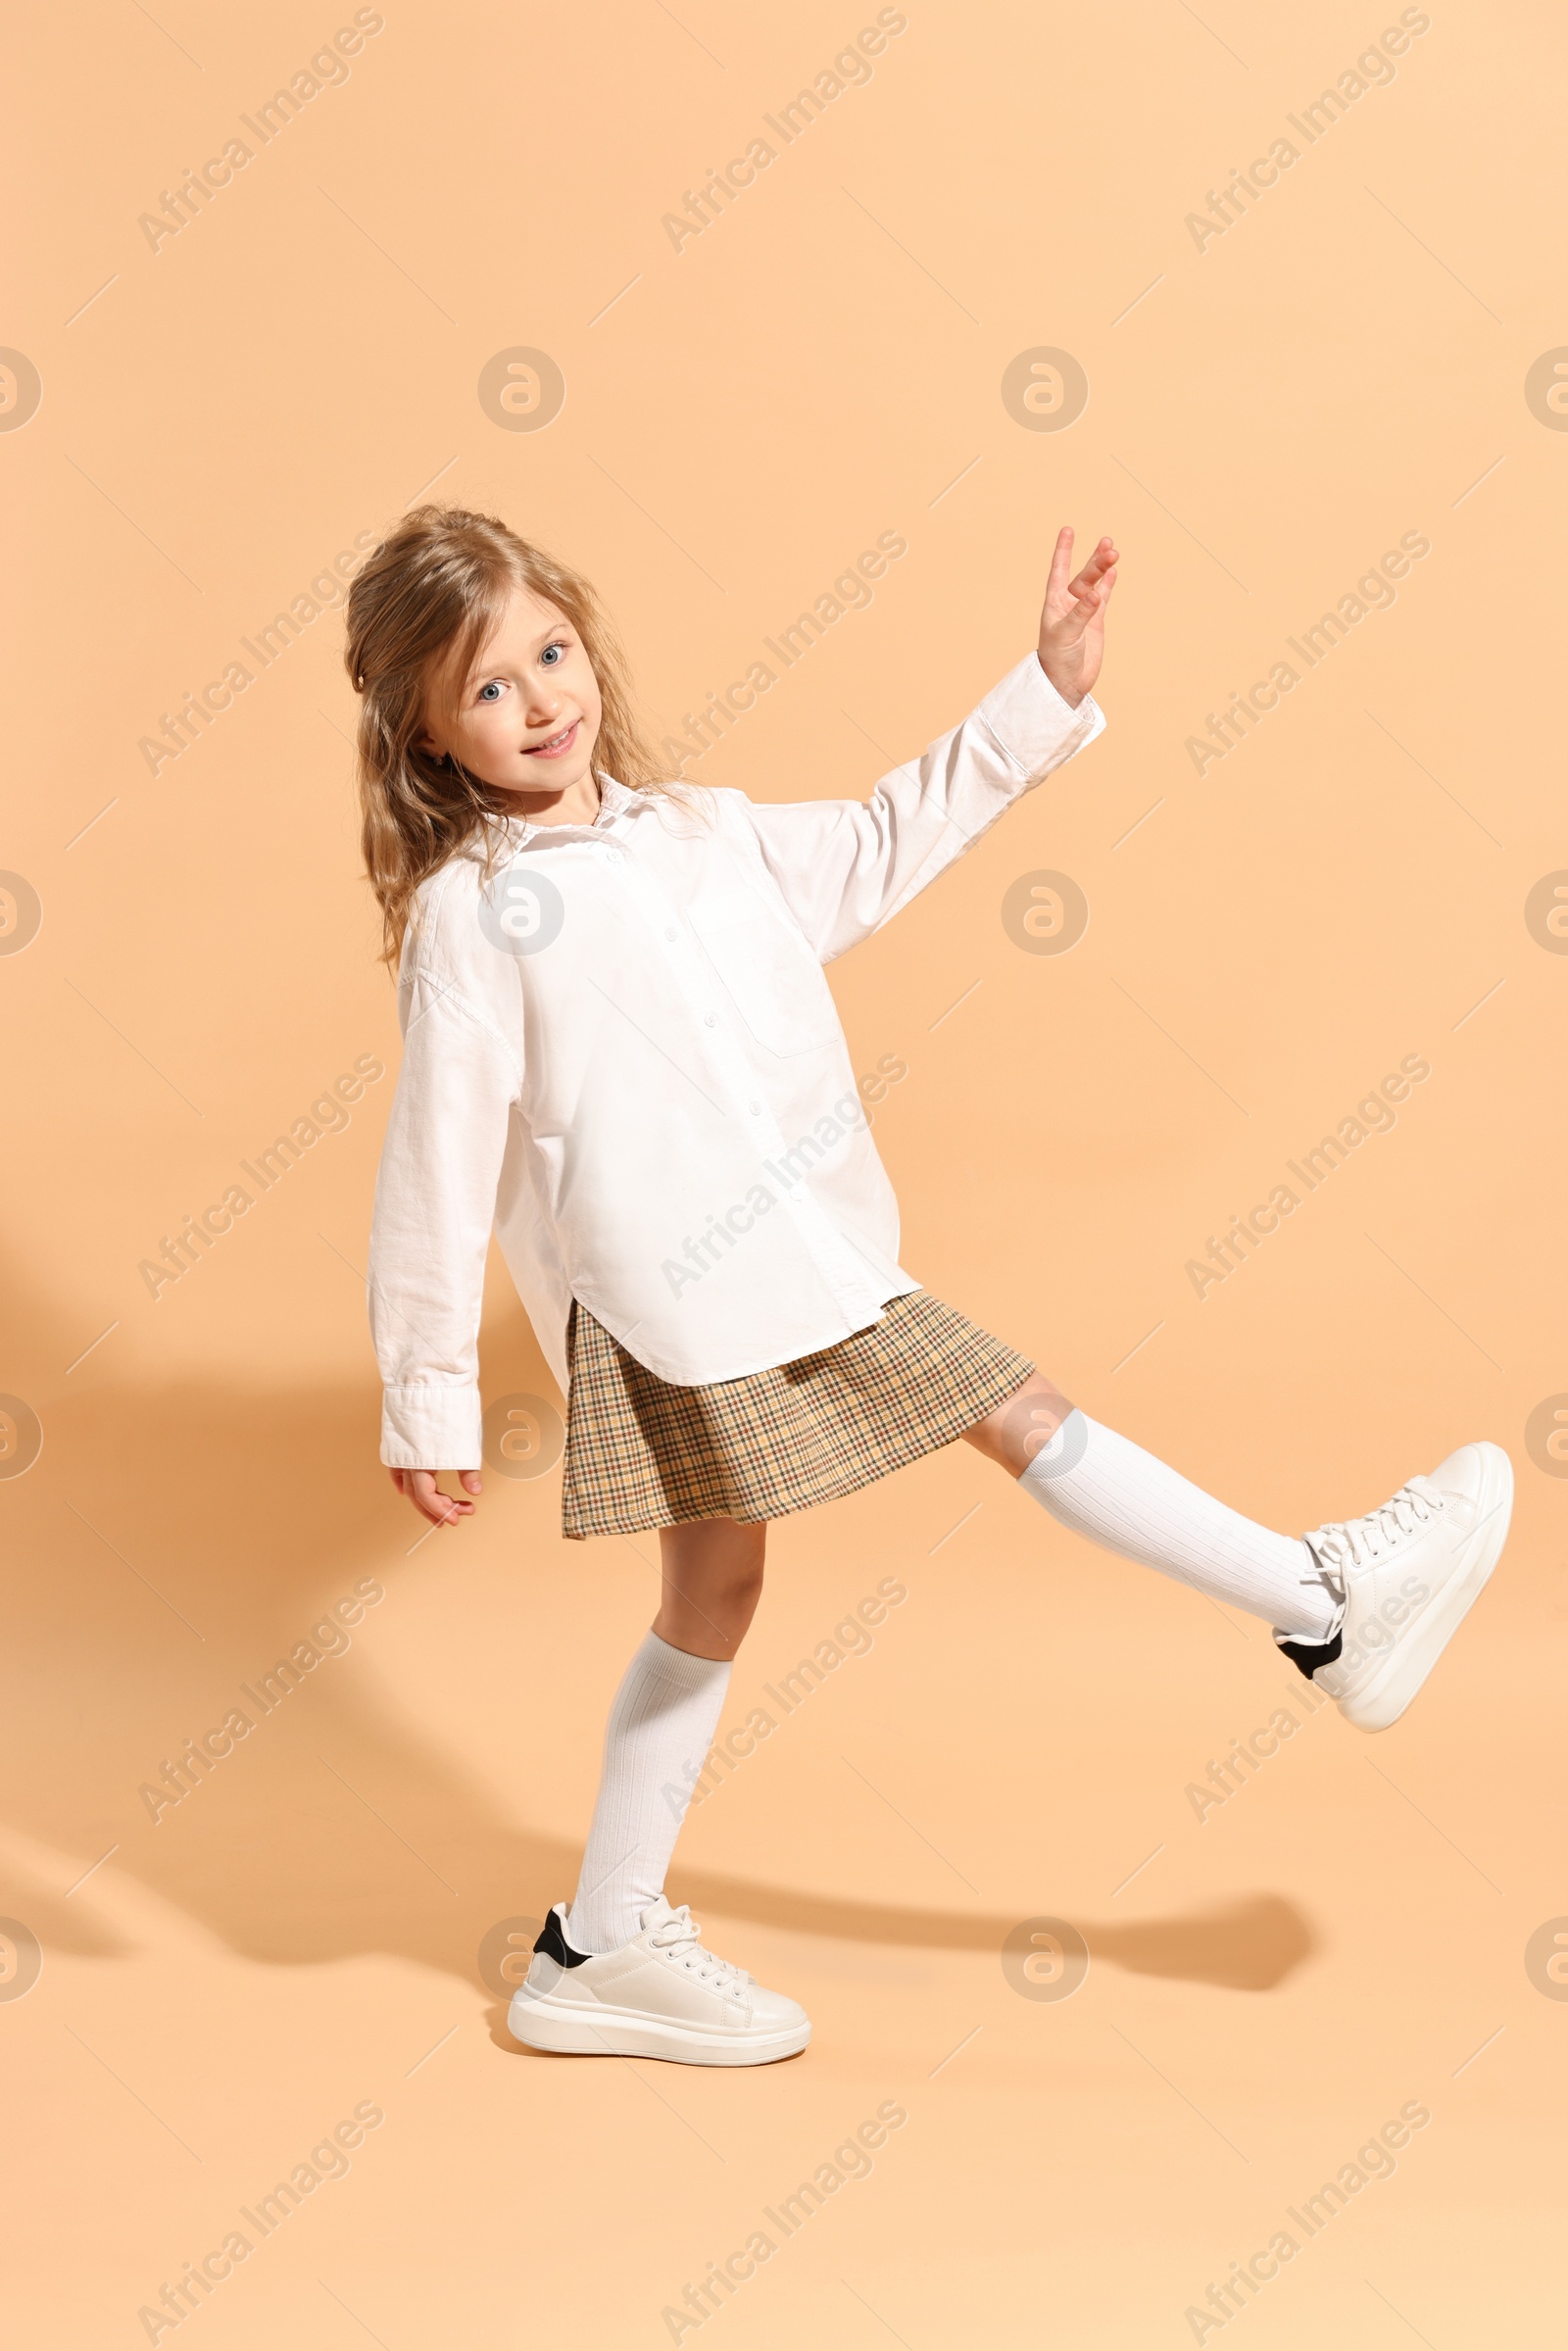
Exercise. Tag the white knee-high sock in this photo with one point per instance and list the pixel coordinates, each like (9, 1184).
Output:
(1104, 1487)
(661, 1728)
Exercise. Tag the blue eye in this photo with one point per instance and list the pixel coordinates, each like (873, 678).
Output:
(490, 691)
(549, 649)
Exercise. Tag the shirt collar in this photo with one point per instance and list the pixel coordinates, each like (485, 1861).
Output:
(613, 799)
(615, 803)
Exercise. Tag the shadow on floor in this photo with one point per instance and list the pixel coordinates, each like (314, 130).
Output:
(172, 1542)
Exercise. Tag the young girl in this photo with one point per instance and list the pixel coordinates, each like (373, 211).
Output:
(620, 1054)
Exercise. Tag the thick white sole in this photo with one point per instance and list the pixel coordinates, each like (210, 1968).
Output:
(566, 2030)
(1385, 1695)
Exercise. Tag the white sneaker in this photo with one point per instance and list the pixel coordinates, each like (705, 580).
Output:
(659, 1995)
(1404, 1575)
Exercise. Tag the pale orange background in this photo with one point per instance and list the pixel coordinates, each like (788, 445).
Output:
(218, 420)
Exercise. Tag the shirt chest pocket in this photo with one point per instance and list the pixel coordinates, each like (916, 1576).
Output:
(768, 971)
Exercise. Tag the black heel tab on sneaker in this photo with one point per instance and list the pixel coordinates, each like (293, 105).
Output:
(1306, 1656)
(554, 1944)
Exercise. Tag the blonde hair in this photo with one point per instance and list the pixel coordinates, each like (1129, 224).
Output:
(420, 611)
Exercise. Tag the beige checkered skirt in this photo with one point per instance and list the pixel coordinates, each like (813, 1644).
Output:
(641, 1453)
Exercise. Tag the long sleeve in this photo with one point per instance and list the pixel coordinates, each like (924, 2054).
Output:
(435, 1201)
(617, 1034)
(847, 866)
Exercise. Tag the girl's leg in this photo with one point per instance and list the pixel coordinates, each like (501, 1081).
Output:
(624, 1974)
(661, 1724)
(713, 1580)
(1110, 1490)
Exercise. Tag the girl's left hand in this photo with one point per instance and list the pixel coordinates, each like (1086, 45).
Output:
(1072, 618)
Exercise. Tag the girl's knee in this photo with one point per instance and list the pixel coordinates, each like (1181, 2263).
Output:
(1022, 1424)
(739, 1594)
(712, 1575)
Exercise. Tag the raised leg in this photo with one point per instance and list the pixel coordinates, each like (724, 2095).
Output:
(1109, 1489)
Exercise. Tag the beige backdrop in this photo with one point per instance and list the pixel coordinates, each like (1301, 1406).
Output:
(986, 278)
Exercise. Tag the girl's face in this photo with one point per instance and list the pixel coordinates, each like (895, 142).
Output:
(526, 717)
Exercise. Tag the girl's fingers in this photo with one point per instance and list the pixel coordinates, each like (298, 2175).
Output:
(1061, 557)
(1103, 559)
(1073, 622)
(439, 1508)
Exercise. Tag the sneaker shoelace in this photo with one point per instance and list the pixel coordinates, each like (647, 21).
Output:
(681, 1937)
(1356, 1542)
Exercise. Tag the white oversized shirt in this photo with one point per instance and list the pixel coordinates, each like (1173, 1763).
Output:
(621, 1054)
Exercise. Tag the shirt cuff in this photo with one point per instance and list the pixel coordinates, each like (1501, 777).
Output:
(1033, 725)
(428, 1426)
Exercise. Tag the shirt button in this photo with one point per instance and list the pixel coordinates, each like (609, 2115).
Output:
(673, 934)
(755, 1110)
(708, 1022)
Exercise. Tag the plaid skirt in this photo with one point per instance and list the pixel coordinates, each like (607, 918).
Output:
(642, 1453)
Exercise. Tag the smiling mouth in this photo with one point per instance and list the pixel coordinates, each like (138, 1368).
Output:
(556, 744)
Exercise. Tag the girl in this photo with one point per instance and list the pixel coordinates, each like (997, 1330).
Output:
(620, 1054)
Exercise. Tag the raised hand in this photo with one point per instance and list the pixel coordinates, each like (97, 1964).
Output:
(1072, 618)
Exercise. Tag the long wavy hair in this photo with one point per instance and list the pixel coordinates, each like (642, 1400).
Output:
(420, 613)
